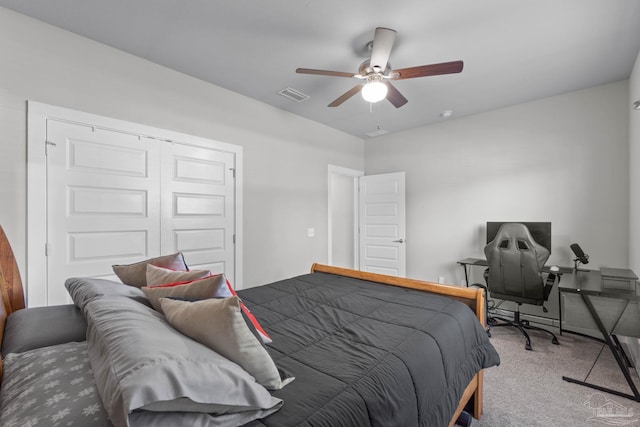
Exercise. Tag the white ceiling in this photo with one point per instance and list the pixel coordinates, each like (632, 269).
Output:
(513, 50)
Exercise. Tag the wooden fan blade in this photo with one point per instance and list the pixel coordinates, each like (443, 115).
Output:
(324, 72)
(428, 70)
(348, 94)
(394, 96)
(381, 49)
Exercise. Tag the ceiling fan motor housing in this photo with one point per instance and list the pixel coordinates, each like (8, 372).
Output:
(366, 69)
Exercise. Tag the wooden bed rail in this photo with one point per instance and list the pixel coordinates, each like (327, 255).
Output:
(472, 297)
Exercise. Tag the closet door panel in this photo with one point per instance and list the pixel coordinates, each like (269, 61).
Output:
(103, 202)
(198, 218)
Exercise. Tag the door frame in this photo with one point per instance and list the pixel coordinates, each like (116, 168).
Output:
(37, 116)
(355, 174)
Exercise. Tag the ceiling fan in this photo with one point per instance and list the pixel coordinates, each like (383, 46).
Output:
(376, 72)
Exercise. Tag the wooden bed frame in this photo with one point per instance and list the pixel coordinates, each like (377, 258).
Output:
(14, 298)
(474, 298)
(11, 292)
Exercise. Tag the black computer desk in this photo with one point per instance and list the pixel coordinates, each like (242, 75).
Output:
(588, 283)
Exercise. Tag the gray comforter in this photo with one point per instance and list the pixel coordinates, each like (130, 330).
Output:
(365, 354)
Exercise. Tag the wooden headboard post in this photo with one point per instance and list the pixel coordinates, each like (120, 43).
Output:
(11, 281)
(4, 312)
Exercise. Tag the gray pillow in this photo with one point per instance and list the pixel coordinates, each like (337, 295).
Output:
(161, 276)
(136, 274)
(219, 324)
(209, 287)
(38, 327)
(141, 363)
(84, 289)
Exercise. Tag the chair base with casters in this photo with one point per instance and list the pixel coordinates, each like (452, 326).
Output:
(522, 325)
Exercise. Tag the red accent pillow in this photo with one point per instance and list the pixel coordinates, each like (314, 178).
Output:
(263, 334)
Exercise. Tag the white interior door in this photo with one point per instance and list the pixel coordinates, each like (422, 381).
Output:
(103, 203)
(198, 200)
(383, 224)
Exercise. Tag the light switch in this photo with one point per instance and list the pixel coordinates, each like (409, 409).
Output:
(311, 232)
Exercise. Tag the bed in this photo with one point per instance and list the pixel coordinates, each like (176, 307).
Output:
(351, 349)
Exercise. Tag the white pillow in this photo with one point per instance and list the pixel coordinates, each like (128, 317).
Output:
(219, 324)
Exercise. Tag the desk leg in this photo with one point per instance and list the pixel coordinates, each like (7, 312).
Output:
(560, 311)
(617, 353)
(466, 276)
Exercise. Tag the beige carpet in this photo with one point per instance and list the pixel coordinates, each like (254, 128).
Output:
(527, 388)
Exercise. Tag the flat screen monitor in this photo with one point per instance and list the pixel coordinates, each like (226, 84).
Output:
(541, 231)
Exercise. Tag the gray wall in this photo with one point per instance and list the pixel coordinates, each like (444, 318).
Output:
(634, 187)
(285, 156)
(634, 168)
(562, 159)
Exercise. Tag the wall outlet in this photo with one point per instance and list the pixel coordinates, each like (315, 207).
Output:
(440, 279)
(311, 232)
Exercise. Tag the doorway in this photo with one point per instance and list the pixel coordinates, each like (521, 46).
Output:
(366, 221)
(343, 217)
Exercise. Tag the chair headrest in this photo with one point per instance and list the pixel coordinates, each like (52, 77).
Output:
(516, 237)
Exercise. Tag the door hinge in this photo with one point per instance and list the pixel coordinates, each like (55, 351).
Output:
(46, 249)
(46, 144)
(234, 239)
(234, 171)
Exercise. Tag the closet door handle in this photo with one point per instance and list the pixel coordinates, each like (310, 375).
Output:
(399, 241)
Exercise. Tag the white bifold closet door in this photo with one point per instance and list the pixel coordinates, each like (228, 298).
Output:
(198, 202)
(117, 198)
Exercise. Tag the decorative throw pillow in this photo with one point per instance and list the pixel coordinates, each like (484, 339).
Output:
(136, 274)
(264, 336)
(160, 275)
(219, 324)
(209, 287)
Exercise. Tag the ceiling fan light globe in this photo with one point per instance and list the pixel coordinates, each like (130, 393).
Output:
(374, 92)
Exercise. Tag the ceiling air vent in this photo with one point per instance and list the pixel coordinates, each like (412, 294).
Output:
(294, 95)
(377, 132)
